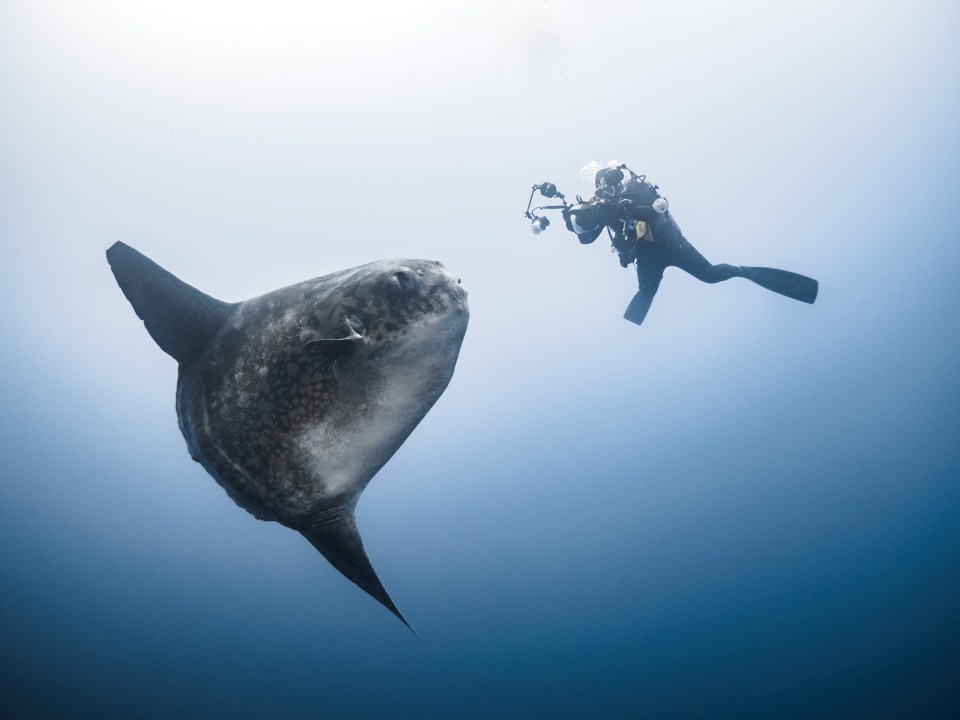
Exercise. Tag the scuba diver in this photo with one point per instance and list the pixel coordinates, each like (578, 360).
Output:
(642, 231)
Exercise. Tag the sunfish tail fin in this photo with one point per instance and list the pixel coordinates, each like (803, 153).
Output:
(180, 318)
(784, 282)
(337, 538)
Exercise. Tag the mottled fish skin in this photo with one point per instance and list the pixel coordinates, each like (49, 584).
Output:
(294, 400)
(288, 438)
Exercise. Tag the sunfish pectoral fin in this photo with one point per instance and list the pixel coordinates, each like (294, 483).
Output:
(336, 536)
(324, 352)
(180, 318)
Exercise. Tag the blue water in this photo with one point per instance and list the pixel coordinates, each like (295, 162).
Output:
(748, 507)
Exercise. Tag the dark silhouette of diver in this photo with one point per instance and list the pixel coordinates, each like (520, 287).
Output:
(643, 231)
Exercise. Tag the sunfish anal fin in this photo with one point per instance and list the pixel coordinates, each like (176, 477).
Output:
(335, 535)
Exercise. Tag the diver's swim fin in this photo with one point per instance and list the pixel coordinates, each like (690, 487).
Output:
(798, 287)
(638, 307)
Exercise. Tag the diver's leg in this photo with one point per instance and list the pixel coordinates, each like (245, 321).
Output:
(649, 275)
(686, 257)
(792, 285)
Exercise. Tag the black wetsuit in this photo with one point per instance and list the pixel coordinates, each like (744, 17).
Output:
(668, 248)
(664, 246)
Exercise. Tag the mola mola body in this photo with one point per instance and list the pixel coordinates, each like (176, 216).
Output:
(294, 400)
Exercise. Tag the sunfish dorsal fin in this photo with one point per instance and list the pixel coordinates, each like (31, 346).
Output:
(334, 533)
(180, 318)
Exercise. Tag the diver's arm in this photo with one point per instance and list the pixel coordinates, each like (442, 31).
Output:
(630, 210)
(587, 238)
(584, 236)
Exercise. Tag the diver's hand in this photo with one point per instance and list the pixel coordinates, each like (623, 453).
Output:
(627, 210)
(630, 210)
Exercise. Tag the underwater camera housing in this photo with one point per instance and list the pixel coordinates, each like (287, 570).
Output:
(612, 185)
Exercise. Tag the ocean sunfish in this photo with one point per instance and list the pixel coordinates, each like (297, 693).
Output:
(294, 400)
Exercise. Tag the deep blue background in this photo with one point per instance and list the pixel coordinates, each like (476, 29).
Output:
(747, 507)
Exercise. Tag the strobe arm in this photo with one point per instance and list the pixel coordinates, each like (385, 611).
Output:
(539, 223)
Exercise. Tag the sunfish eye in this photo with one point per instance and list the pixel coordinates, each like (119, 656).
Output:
(404, 280)
(356, 324)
